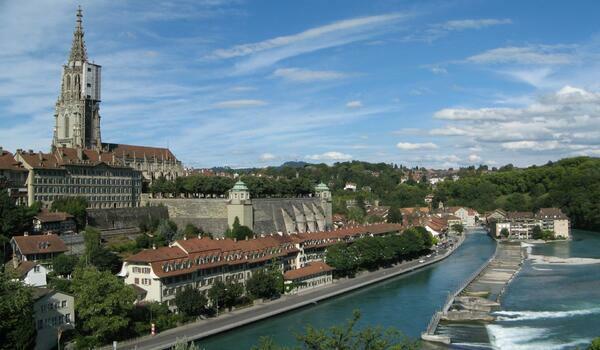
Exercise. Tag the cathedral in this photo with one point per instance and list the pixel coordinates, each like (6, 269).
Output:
(77, 118)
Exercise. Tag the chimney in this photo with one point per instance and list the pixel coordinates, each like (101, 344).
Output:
(235, 239)
(25, 233)
(40, 156)
(154, 246)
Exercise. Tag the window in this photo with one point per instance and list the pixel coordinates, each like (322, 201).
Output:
(36, 268)
(64, 303)
(137, 281)
(68, 318)
(40, 324)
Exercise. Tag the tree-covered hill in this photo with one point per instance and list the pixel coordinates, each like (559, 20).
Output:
(572, 184)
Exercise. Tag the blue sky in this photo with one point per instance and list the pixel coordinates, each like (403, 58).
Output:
(256, 83)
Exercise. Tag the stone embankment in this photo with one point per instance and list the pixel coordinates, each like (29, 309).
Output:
(479, 296)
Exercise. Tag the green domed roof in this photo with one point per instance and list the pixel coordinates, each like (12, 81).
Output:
(321, 187)
(240, 186)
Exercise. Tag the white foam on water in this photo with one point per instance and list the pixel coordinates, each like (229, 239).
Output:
(526, 338)
(554, 260)
(535, 315)
(540, 269)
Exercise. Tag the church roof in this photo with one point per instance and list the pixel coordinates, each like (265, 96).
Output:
(68, 156)
(139, 152)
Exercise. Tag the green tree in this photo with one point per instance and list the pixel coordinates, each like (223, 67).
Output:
(237, 231)
(184, 345)
(225, 294)
(17, 329)
(64, 264)
(458, 228)
(356, 214)
(75, 206)
(265, 283)
(595, 345)
(504, 232)
(191, 231)
(103, 304)
(394, 215)
(339, 257)
(347, 337)
(190, 301)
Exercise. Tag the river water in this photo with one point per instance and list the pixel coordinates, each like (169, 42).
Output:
(545, 306)
(552, 306)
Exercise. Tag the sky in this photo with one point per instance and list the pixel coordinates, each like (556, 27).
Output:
(256, 83)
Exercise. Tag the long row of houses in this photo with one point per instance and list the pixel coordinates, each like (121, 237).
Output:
(521, 225)
(158, 274)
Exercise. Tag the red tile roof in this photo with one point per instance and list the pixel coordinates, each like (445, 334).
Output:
(139, 152)
(40, 244)
(49, 216)
(8, 162)
(313, 268)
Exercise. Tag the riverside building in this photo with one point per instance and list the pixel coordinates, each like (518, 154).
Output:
(158, 274)
(520, 225)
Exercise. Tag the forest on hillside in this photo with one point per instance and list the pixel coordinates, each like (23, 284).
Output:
(572, 184)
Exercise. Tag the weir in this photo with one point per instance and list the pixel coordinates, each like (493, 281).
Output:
(479, 295)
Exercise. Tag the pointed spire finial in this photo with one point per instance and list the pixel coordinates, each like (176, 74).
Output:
(78, 52)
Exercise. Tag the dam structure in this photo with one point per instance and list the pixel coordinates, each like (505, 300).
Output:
(478, 296)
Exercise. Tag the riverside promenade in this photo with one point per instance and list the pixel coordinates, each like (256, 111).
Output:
(237, 318)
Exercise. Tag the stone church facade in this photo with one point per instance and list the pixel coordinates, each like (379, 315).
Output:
(77, 118)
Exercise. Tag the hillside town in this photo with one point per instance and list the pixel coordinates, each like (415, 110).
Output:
(151, 229)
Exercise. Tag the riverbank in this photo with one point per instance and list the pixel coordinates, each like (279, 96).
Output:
(238, 318)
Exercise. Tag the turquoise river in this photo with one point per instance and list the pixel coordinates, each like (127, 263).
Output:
(545, 307)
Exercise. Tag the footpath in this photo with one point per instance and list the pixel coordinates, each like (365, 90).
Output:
(237, 318)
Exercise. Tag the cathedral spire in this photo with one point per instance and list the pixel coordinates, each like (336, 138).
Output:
(78, 52)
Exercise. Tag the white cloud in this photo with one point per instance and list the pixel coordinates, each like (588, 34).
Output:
(354, 104)
(473, 23)
(474, 158)
(407, 146)
(532, 145)
(232, 104)
(306, 76)
(476, 114)
(439, 30)
(265, 53)
(265, 157)
(449, 131)
(242, 88)
(330, 156)
(438, 70)
(537, 55)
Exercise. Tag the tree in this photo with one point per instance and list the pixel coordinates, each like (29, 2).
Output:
(394, 215)
(103, 304)
(105, 260)
(348, 338)
(458, 228)
(339, 257)
(184, 345)
(190, 301)
(64, 264)
(191, 231)
(75, 206)
(356, 214)
(237, 231)
(595, 345)
(265, 283)
(17, 328)
(504, 232)
(537, 232)
(225, 294)
(167, 229)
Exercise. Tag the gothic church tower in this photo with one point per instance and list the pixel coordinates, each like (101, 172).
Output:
(77, 117)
